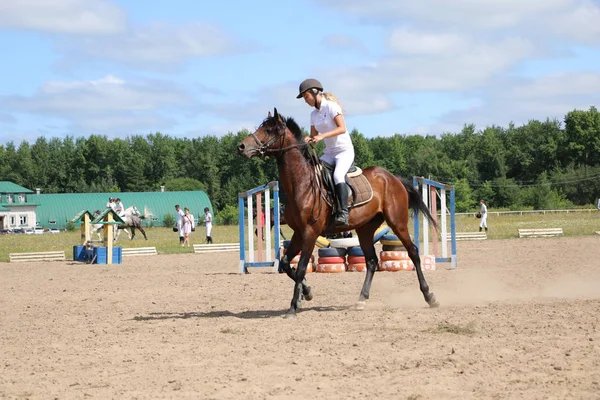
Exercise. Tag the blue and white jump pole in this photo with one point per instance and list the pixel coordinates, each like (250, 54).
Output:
(429, 191)
(247, 259)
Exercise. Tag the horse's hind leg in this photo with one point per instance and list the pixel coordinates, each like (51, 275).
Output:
(413, 253)
(143, 232)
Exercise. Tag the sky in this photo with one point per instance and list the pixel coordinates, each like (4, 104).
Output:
(190, 68)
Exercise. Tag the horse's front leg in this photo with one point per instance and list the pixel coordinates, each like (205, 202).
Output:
(301, 289)
(284, 263)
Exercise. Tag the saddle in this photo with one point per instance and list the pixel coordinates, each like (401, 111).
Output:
(360, 193)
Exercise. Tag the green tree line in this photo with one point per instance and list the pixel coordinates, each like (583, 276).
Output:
(541, 164)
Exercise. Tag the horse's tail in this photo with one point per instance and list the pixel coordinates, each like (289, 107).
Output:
(415, 201)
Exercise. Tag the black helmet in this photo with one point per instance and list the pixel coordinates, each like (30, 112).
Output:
(308, 84)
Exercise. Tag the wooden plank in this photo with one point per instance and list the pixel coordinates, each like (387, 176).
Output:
(139, 251)
(219, 247)
(469, 236)
(541, 232)
(37, 256)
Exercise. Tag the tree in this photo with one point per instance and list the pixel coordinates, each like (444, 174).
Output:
(184, 184)
(583, 136)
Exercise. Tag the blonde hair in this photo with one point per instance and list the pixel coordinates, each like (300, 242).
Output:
(331, 97)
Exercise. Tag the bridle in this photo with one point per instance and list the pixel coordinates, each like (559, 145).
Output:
(264, 148)
(317, 188)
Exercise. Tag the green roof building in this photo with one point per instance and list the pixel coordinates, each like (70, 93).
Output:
(16, 209)
(55, 210)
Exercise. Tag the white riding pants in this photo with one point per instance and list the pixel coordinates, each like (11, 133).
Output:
(341, 160)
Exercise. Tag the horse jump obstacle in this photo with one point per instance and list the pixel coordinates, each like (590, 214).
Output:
(216, 248)
(541, 232)
(139, 251)
(37, 256)
(429, 194)
(470, 236)
(108, 218)
(265, 258)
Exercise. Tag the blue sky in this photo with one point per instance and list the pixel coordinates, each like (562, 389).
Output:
(193, 68)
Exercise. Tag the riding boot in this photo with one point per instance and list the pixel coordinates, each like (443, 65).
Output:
(479, 229)
(181, 240)
(341, 191)
(486, 228)
(210, 239)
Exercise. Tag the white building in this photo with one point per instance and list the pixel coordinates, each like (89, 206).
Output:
(15, 210)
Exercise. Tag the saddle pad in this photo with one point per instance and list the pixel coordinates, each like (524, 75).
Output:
(363, 191)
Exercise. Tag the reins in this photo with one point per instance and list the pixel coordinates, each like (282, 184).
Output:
(316, 177)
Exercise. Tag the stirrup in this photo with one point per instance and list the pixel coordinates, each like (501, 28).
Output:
(341, 219)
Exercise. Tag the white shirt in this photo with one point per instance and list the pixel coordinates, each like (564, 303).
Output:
(323, 121)
(179, 215)
(483, 210)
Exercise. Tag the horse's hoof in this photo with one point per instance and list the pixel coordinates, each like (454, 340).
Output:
(290, 314)
(433, 303)
(361, 305)
(307, 293)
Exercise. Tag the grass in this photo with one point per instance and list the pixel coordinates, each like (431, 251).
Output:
(167, 241)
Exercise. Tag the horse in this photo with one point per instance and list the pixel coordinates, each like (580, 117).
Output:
(308, 209)
(133, 221)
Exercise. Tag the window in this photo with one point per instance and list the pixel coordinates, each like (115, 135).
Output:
(23, 219)
(9, 198)
(13, 220)
(22, 198)
(52, 222)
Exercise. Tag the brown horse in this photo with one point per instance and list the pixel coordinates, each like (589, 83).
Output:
(309, 214)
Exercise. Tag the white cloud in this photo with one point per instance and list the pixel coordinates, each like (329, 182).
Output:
(489, 14)
(520, 100)
(408, 41)
(96, 97)
(105, 105)
(62, 16)
(153, 44)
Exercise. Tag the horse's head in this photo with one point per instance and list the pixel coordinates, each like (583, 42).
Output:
(274, 135)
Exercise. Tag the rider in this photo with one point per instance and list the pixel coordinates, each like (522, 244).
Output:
(327, 123)
(119, 208)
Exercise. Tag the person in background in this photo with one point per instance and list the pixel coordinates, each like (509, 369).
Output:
(111, 203)
(483, 212)
(178, 222)
(187, 222)
(208, 224)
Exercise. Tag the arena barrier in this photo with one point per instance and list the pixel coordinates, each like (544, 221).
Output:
(470, 236)
(216, 247)
(264, 256)
(541, 232)
(429, 192)
(139, 251)
(37, 256)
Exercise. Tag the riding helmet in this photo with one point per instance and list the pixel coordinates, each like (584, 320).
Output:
(308, 84)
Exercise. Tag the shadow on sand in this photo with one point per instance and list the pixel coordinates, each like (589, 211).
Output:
(258, 314)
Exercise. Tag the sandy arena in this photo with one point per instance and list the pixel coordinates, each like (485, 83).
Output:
(519, 319)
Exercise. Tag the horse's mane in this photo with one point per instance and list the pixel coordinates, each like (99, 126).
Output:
(290, 123)
(270, 122)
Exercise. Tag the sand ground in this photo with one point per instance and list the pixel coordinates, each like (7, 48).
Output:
(519, 319)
